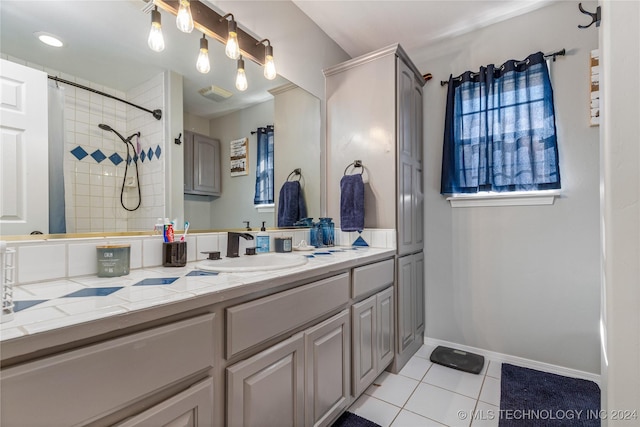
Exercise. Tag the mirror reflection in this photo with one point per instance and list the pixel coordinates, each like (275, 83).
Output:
(105, 48)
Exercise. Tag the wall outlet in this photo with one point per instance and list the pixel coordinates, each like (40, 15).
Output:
(130, 182)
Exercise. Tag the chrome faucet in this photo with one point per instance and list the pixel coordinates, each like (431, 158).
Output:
(233, 243)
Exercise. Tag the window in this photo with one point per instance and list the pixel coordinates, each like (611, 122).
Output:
(500, 133)
(264, 167)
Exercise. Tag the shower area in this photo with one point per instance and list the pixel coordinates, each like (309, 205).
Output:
(111, 157)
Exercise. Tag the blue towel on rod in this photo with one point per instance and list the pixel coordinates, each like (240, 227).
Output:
(352, 203)
(291, 206)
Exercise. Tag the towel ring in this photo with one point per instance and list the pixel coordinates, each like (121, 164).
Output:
(356, 164)
(296, 172)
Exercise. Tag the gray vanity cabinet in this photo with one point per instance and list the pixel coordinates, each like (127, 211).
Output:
(268, 388)
(328, 367)
(201, 165)
(373, 338)
(190, 408)
(410, 305)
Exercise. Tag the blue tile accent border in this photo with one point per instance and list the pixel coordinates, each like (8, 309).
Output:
(79, 153)
(202, 273)
(360, 242)
(98, 156)
(22, 305)
(157, 281)
(93, 292)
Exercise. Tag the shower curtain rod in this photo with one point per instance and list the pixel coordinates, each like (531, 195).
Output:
(561, 52)
(156, 113)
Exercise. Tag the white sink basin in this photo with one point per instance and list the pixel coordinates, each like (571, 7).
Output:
(260, 262)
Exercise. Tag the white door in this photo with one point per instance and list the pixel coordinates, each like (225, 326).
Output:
(24, 168)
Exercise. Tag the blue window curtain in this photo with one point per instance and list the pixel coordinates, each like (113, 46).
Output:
(264, 167)
(500, 130)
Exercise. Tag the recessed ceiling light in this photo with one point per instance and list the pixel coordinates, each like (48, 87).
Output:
(49, 39)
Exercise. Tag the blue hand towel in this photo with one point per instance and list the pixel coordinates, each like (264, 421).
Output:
(291, 206)
(352, 203)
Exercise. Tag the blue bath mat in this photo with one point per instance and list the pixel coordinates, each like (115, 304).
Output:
(349, 419)
(533, 398)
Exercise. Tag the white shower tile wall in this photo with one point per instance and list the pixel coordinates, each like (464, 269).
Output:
(93, 173)
(150, 150)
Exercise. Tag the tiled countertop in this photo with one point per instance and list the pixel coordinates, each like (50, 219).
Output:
(63, 307)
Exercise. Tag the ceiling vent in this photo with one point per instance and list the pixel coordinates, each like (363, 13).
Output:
(215, 93)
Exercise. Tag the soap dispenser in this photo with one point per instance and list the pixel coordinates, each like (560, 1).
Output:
(262, 240)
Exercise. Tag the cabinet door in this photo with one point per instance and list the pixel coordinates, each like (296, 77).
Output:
(268, 389)
(409, 134)
(206, 165)
(386, 335)
(364, 344)
(406, 302)
(188, 162)
(190, 408)
(418, 285)
(327, 362)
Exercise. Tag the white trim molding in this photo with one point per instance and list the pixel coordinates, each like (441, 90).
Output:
(518, 198)
(519, 361)
(266, 208)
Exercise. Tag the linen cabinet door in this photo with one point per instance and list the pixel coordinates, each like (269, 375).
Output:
(385, 314)
(406, 303)
(190, 408)
(327, 366)
(418, 285)
(364, 344)
(267, 390)
(206, 165)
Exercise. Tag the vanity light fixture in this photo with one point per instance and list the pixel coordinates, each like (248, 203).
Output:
(269, 65)
(49, 39)
(233, 48)
(184, 19)
(156, 41)
(203, 64)
(241, 77)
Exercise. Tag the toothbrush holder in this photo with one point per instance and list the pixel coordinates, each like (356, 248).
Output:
(174, 254)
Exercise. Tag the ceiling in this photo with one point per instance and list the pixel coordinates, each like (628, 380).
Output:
(360, 27)
(106, 41)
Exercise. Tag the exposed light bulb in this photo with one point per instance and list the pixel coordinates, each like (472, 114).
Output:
(156, 40)
(184, 19)
(241, 77)
(203, 64)
(269, 65)
(233, 47)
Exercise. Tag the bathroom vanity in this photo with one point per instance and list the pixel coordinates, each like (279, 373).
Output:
(290, 347)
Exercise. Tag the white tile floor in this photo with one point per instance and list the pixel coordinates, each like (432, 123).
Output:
(424, 394)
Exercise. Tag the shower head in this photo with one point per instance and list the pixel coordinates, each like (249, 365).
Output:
(110, 129)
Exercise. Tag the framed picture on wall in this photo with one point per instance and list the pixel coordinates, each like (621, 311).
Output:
(239, 150)
(595, 88)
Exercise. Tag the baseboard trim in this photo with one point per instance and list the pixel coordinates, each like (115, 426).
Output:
(516, 360)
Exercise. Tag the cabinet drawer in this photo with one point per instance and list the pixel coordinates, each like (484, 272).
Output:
(371, 278)
(89, 383)
(256, 321)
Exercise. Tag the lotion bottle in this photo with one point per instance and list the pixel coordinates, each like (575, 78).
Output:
(262, 240)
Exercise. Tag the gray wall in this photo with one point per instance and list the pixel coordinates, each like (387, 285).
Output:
(297, 143)
(236, 202)
(524, 280)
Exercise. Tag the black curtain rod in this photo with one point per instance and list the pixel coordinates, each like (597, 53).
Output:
(253, 132)
(561, 52)
(156, 113)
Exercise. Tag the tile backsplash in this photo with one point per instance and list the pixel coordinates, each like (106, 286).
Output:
(43, 260)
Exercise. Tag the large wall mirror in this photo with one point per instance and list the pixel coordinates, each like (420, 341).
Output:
(105, 48)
